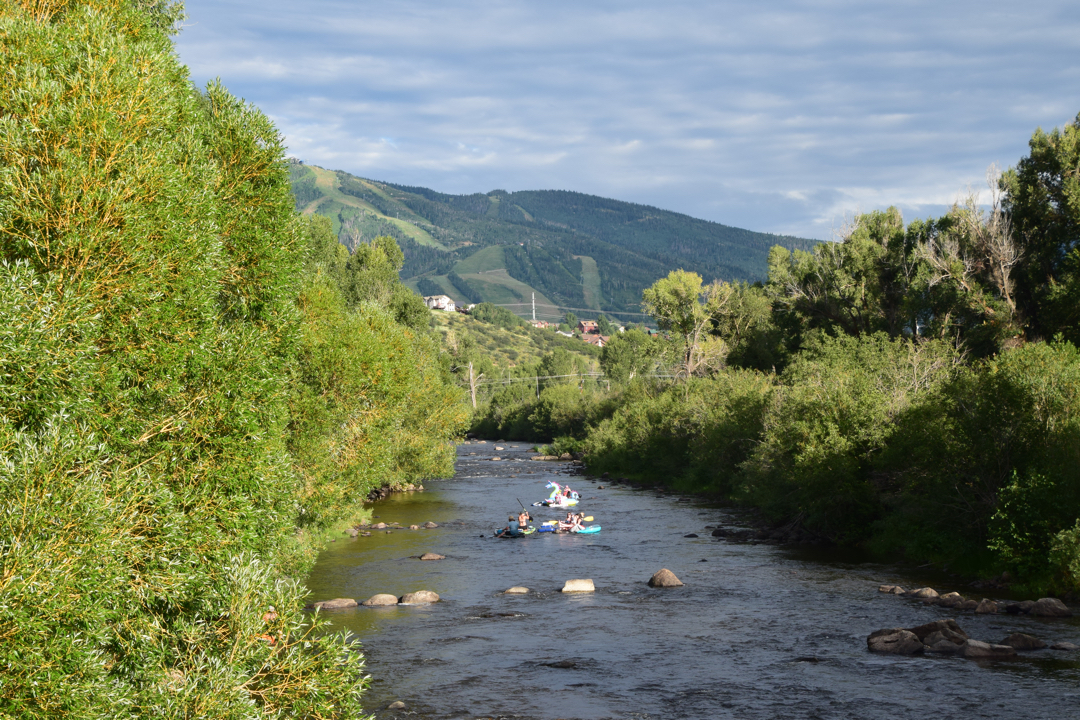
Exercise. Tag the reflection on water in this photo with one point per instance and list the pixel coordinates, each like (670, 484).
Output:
(758, 631)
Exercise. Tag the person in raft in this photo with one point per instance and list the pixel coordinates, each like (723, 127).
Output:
(568, 522)
(506, 531)
(523, 520)
(579, 521)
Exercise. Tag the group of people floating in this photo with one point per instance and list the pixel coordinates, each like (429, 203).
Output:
(561, 496)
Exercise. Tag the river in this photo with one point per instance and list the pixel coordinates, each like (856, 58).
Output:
(758, 630)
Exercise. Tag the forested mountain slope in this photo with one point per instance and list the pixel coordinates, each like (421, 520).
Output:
(571, 249)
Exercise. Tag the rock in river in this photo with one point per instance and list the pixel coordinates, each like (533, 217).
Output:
(516, 590)
(576, 586)
(895, 641)
(986, 607)
(664, 578)
(1050, 607)
(335, 604)
(432, 556)
(985, 651)
(430, 525)
(1022, 642)
(380, 600)
(948, 627)
(926, 592)
(420, 597)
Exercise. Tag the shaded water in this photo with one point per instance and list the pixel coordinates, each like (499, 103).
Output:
(759, 631)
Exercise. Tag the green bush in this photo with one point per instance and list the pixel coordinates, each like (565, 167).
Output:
(160, 355)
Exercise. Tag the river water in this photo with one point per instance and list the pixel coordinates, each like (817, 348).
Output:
(758, 631)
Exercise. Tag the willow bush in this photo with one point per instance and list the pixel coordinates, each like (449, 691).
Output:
(159, 329)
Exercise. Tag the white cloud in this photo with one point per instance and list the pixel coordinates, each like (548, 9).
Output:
(781, 117)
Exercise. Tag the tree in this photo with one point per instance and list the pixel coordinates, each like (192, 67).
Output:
(630, 354)
(679, 304)
(571, 319)
(1042, 200)
(605, 327)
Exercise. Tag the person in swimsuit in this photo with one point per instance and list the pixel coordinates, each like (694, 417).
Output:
(523, 520)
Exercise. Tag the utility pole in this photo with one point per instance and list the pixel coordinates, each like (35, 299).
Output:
(534, 306)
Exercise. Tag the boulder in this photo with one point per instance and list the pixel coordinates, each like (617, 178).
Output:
(690, 535)
(895, 641)
(379, 526)
(1064, 646)
(396, 705)
(335, 604)
(352, 532)
(886, 588)
(576, 586)
(978, 650)
(944, 641)
(432, 556)
(380, 600)
(1020, 608)
(950, 600)
(429, 525)
(544, 457)
(926, 592)
(948, 627)
(420, 597)
(500, 449)
(986, 607)
(516, 590)
(1022, 642)
(496, 458)
(898, 590)
(414, 527)
(967, 605)
(664, 578)
(566, 456)
(1050, 607)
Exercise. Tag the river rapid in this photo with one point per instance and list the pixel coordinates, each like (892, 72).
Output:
(758, 631)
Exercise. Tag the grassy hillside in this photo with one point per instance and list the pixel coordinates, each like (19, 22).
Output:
(510, 348)
(573, 250)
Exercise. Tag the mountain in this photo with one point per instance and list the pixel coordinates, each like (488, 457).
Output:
(572, 250)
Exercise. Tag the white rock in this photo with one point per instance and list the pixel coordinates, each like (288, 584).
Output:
(575, 586)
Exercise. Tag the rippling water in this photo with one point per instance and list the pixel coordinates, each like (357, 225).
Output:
(758, 631)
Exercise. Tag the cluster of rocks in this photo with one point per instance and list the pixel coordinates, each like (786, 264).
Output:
(946, 637)
(793, 534)
(420, 597)
(364, 528)
(385, 491)
(564, 457)
(1043, 607)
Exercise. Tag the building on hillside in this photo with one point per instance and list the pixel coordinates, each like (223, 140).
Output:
(542, 324)
(587, 326)
(566, 334)
(597, 340)
(440, 302)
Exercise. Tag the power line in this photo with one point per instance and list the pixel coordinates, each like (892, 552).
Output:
(560, 307)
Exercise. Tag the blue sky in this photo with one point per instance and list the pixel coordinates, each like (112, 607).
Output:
(782, 117)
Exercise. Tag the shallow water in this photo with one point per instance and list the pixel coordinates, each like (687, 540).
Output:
(758, 631)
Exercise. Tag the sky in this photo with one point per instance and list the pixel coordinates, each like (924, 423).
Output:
(785, 117)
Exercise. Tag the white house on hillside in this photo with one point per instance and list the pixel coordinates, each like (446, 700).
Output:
(440, 302)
